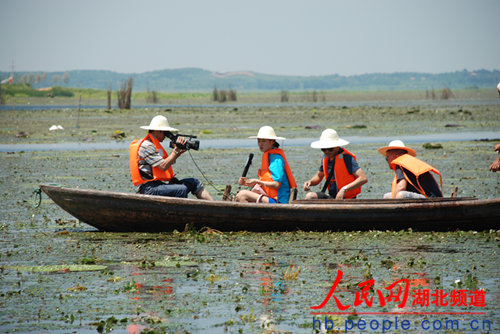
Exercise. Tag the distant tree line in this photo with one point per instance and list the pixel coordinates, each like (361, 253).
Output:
(40, 78)
(193, 79)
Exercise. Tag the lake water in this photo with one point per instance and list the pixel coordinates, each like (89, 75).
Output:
(245, 143)
(59, 275)
(379, 103)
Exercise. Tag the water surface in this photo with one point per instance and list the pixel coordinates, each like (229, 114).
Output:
(246, 143)
(211, 282)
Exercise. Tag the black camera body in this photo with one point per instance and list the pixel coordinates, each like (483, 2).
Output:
(191, 144)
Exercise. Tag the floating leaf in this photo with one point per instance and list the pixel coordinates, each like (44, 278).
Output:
(175, 263)
(356, 126)
(59, 268)
(77, 287)
(432, 146)
(114, 279)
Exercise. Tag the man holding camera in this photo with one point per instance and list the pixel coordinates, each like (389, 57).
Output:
(151, 166)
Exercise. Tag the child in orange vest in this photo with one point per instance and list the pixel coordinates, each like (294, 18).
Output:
(275, 176)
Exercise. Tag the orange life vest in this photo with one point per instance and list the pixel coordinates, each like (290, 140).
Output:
(417, 167)
(265, 173)
(158, 174)
(341, 176)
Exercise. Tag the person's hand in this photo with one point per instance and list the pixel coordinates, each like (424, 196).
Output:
(177, 148)
(242, 181)
(178, 151)
(248, 182)
(495, 166)
(307, 185)
(341, 193)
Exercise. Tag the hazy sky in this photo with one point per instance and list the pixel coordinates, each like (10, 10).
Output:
(309, 37)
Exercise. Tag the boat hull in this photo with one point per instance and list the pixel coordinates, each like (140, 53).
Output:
(123, 212)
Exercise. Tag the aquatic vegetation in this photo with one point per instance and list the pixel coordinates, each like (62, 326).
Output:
(115, 279)
(291, 273)
(118, 135)
(131, 286)
(88, 260)
(61, 275)
(432, 146)
(176, 262)
(107, 326)
(77, 287)
(61, 268)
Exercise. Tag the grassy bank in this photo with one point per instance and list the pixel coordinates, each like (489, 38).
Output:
(20, 95)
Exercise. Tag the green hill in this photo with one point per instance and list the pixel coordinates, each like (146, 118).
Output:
(195, 79)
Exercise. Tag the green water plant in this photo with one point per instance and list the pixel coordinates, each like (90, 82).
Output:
(62, 268)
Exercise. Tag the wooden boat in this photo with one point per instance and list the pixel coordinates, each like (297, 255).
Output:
(126, 212)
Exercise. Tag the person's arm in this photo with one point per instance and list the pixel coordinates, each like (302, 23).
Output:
(252, 182)
(169, 161)
(314, 181)
(401, 186)
(270, 184)
(277, 170)
(358, 182)
(495, 166)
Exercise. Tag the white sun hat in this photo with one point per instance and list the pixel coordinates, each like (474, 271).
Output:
(396, 145)
(159, 123)
(266, 132)
(329, 138)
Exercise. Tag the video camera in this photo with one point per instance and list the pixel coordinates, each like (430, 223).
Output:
(190, 143)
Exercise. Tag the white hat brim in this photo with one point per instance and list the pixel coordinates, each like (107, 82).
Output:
(159, 128)
(329, 143)
(383, 150)
(267, 137)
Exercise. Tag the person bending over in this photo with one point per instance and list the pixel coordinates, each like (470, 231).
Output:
(412, 177)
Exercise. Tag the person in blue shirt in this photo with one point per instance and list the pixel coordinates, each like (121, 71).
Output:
(275, 176)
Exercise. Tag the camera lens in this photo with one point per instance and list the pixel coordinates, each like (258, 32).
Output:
(193, 144)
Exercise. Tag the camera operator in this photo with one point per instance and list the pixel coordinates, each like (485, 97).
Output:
(151, 166)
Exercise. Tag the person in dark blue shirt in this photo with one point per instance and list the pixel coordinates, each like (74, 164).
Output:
(347, 177)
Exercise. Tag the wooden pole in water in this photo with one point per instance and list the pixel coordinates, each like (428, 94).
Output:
(227, 193)
(78, 115)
